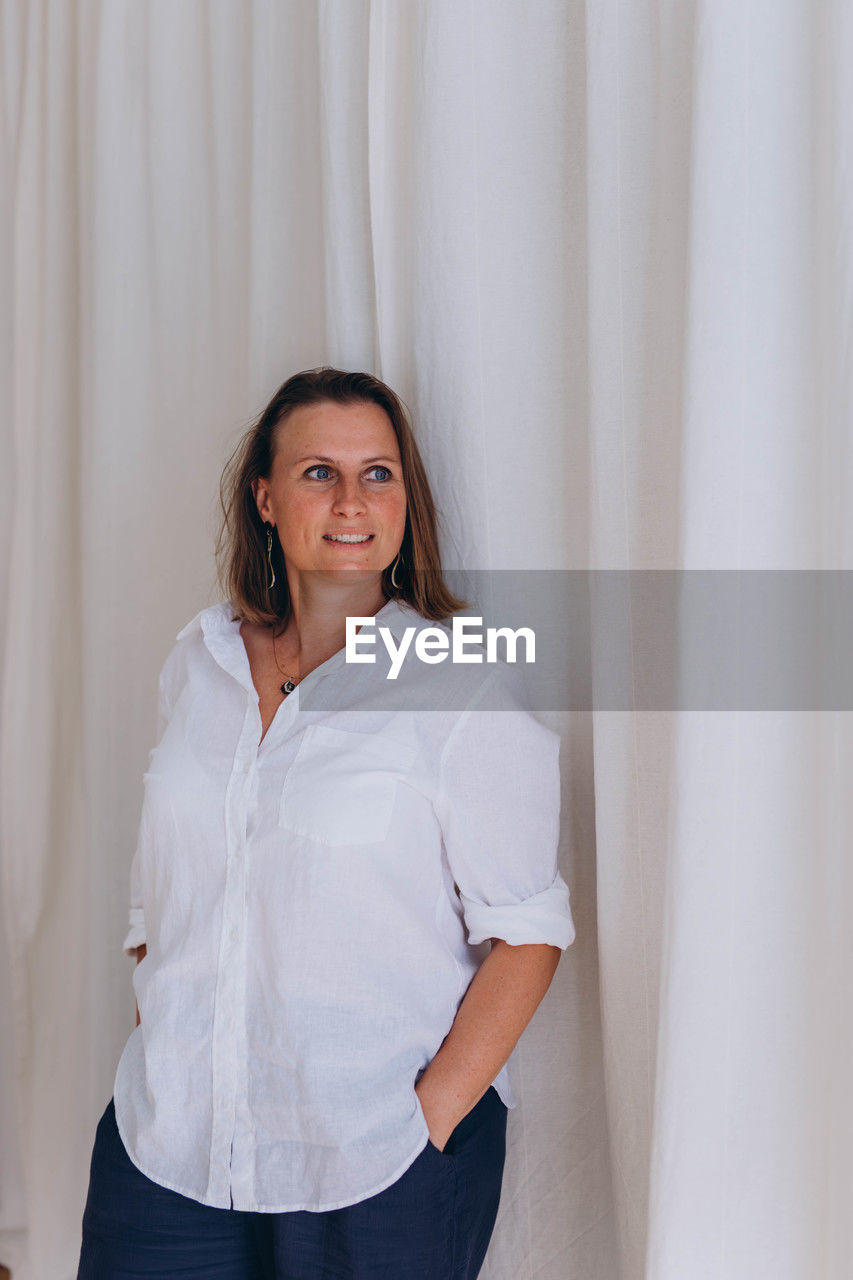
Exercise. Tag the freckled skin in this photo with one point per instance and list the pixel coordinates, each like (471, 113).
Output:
(305, 499)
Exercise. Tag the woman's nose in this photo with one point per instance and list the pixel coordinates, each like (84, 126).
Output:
(348, 496)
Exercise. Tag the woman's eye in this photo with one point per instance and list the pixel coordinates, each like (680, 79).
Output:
(322, 467)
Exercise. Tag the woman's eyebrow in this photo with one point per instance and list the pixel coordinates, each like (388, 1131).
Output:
(320, 458)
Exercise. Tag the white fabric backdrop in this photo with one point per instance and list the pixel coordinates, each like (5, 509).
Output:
(601, 253)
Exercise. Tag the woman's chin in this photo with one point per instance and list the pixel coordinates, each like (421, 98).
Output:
(348, 570)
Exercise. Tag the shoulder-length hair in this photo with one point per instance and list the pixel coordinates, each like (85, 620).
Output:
(241, 544)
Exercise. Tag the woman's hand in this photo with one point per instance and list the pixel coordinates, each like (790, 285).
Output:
(141, 953)
(500, 1001)
(440, 1128)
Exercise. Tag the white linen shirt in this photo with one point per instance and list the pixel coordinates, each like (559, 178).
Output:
(315, 905)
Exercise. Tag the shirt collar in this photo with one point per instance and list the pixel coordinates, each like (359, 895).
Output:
(396, 615)
(215, 614)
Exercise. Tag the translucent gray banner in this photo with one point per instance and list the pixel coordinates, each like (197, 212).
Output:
(647, 640)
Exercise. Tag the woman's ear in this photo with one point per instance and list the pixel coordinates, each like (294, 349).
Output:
(261, 494)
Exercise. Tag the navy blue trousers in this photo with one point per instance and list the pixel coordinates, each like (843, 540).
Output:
(433, 1223)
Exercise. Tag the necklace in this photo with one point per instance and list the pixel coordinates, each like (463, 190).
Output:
(289, 684)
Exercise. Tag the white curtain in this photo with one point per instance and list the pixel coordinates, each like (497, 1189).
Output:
(601, 251)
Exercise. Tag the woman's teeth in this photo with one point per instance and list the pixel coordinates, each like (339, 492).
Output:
(347, 537)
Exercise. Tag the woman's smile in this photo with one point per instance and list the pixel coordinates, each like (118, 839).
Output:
(348, 539)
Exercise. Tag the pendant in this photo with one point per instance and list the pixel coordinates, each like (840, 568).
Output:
(288, 686)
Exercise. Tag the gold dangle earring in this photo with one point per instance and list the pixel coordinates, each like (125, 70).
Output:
(271, 582)
(394, 581)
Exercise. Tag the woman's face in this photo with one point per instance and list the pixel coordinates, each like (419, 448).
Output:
(336, 470)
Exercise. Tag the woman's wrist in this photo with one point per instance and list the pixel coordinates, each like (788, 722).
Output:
(441, 1121)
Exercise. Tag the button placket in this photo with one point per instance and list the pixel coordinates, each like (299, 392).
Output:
(229, 1006)
(229, 1082)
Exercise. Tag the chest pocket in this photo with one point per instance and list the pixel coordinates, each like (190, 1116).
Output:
(342, 785)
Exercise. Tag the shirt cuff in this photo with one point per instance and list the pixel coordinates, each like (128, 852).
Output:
(544, 917)
(137, 934)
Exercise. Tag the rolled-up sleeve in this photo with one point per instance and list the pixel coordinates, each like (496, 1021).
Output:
(137, 935)
(498, 803)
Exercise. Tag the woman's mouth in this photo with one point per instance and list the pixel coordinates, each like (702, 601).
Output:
(348, 539)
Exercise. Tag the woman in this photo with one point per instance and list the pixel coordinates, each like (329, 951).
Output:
(345, 902)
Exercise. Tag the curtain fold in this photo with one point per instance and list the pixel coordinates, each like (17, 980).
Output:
(719, 197)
